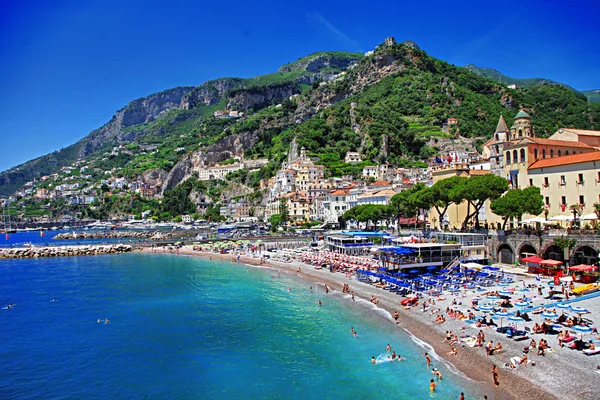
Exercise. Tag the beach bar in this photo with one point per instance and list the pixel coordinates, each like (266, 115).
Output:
(417, 255)
(352, 245)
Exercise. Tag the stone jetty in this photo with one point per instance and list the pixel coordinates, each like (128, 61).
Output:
(109, 235)
(64, 251)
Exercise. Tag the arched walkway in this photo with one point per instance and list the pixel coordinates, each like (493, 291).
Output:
(554, 252)
(585, 255)
(506, 254)
(527, 250)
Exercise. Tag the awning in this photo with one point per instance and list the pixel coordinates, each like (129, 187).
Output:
(552, 263)
(583, 268)
(532, 259)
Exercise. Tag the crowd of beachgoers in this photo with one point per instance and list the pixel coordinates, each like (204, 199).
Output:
(528, 328)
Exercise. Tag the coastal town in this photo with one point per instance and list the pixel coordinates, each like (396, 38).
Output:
(300, 207)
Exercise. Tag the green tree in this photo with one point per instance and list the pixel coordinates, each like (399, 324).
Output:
(516, 202)
(283, 210)
(442, 194)
(195, 216)
(408, 202)
(477, 190)
(566, 244)
(275, 220)
(177, 218)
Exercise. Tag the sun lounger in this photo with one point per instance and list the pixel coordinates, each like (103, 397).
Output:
(589, 352)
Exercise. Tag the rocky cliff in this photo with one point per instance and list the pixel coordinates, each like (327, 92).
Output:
(210, 92)
(138, 112)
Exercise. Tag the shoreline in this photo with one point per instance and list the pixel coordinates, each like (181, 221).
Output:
(470, 362)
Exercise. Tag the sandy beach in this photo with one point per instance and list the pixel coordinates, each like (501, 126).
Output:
(561, 373)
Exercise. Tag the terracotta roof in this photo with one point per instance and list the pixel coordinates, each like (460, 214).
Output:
(565, 160)
(582, 132)
(340, 192)
(501, 127)
(551, 142)
(381, 183)
(479, 172)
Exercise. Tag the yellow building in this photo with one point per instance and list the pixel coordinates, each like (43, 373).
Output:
(568, 180)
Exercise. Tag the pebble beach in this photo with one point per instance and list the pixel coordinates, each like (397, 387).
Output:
(560, 373)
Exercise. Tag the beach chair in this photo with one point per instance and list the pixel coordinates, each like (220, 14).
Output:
(589, 352)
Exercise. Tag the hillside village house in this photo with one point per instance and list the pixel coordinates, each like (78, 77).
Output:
(352, 157)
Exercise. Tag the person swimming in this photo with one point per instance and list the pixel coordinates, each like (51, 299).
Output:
(432, 385)
(373, 361)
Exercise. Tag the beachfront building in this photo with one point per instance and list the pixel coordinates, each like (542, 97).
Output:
(566, 181)
(349, 244)
(420, 255)
(473, 245)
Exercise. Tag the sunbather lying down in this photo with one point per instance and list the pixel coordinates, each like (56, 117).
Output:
(516, 361)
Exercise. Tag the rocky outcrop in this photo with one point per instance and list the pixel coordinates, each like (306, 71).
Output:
(140, 111)
(262, 96)
(210, 92)
(318, 61)
(154, 177)
(226, 148)
(63, 251)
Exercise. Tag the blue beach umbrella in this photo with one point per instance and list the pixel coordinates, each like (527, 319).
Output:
(493, 297)
(505, 292)
(548, 314)
(583, 330)
(427, 274)
(492, 268)
(413, 271)
(456, 268)
(503, 314)
(516, 319)
(563, 306)
(522, 304)
(486, 308)
(403, 275)
(579, 310)
(432, 268)
(503, 284)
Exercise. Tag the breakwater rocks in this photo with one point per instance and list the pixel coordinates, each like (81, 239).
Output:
(64, 251)
(112, 235)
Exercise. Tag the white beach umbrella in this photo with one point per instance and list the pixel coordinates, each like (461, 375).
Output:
(584, 330)
(561, 218)
(563, 306)
(533, 220)
(589, 217)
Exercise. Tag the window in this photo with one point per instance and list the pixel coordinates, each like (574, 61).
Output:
(581, 200)
(508, 157)
(544, 153)
(563, 200)
(520, 133)
(515, 155)
(563, 182)
(522, 155)
(547, 201)
(530, 182)
(580, 181)
(559, 153)
(535, 153)
(552, 153)
(567, 153)
(546, 182)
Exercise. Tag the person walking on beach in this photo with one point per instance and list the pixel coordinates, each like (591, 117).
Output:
(353, 295)
(427, 359)
(396, 316)
(495, 375)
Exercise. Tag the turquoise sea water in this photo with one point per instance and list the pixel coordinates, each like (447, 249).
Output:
(185, 328)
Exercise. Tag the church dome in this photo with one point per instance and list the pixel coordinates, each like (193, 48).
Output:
(522, 114)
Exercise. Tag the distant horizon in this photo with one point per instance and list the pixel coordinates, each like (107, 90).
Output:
(70, 65)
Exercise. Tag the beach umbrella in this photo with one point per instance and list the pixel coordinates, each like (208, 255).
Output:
(502, 315)
(584, 330)
(403, 275)
(516, 320)
(522, 304)
(456, 268)
(493, 297)
(486, 308)
(432, 268)
(548, 314)
(505, 292)
(503, 284)
(563, 306)
(523, 290)
(427, 274)
(492, 268)
(579, 310)
(413, 271)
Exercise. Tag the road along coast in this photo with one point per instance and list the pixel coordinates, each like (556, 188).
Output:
(553, 376)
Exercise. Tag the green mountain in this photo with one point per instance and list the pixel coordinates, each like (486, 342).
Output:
(591, 95)
(389, 105)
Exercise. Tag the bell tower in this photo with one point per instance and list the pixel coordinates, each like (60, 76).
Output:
(521, 127)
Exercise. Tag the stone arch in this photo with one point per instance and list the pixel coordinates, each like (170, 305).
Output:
(585, 255)
(527, 249)
(506, 254)
(553, 252)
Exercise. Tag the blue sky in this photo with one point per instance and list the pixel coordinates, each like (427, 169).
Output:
(66, 66)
